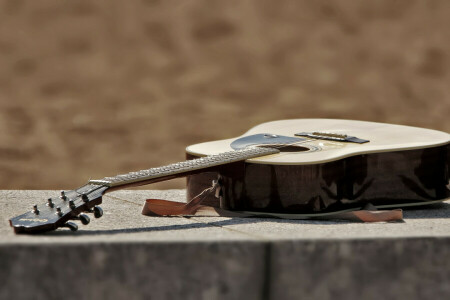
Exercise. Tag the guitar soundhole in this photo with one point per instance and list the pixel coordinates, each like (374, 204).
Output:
(294, 149)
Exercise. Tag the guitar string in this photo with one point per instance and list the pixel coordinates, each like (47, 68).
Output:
(276, 147)
(273, 147)
(291, 144)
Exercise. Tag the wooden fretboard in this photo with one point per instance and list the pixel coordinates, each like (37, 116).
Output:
(185, 166)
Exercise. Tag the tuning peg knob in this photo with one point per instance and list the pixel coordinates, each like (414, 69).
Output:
(84, 219)
(98, 211)
(71, 225)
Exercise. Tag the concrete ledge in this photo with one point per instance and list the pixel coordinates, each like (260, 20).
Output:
(132, 271)
(411, 268)
(127, 255)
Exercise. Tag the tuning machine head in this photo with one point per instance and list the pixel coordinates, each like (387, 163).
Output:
(84, 197)
(71, 225)
(98, 212)
(59, 210)
(84, 219)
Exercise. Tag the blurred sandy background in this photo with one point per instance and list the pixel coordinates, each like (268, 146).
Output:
(96, 88)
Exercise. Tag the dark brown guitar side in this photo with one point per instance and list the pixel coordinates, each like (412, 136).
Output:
(387, 179)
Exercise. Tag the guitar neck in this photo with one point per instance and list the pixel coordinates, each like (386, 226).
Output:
(181, 168)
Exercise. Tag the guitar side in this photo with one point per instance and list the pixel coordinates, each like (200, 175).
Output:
(408, 167)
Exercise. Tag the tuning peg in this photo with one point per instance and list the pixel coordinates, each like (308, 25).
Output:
(58, 211)
(63, 195)
(84, 219)
(71, 204)
(84, 197)
(71, 225)
(35, 209)
(98, 211)
(50, 203)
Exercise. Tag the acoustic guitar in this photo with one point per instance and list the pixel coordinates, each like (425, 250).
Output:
(291, 168)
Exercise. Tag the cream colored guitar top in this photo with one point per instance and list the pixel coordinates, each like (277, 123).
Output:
(382, 138)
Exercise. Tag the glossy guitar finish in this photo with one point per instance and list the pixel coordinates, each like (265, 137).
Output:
(400, 166)
(391, 179)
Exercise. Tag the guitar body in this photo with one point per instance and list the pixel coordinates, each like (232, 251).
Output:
(398, 166)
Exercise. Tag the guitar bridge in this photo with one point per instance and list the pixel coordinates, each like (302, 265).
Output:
(332, 137)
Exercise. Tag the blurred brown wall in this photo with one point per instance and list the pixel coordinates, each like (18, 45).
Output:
(95, 88)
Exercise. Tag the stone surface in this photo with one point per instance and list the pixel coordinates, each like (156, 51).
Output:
(413, 268)
(124, 254)
(132, 270)
(122, 221)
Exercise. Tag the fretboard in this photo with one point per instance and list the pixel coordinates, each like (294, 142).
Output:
(185, 166)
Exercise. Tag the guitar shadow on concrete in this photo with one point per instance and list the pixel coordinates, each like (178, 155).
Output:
(197, 225)
(433, 211)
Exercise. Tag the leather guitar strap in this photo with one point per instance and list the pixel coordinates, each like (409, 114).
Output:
(158, 207)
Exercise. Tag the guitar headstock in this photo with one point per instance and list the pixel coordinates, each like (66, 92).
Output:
(60, 210)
